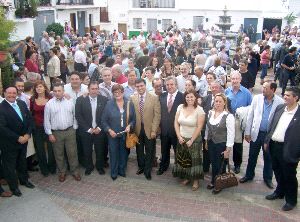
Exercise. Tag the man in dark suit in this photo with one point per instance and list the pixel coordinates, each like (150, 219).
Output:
(207, 104)
(169, 101)
(15, 131)
(88, 112)
(283, 141)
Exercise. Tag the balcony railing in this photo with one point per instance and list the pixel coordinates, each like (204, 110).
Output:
(153, 3)
(45, 3)
(75, 2)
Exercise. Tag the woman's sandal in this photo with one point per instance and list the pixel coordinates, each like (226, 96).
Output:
(194, 188)
(185, 182)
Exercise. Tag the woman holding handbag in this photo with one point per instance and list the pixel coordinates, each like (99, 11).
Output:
(219, 135)
(114, 123)
(188, 124)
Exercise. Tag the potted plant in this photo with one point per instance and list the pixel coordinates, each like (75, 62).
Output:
(290, 18)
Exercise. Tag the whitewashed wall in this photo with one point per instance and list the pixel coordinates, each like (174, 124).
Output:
(24, 28)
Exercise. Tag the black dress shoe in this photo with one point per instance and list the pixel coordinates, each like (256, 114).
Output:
(28, 185)
(113, 178)
(269, 184)
(16, 192)
(214, 191)
(237, 170)
(139, 171)
(101, 171)
(159, 172)
(274, 196)
(122, 175)
(33, 169)
(148, 176)
(245, 179)
(287, 207)
(88, 172)
(210, 186)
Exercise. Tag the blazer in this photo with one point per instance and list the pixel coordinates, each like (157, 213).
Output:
(83, 112)
(11, 125)
(151, 114)
(291, 147)
(255, 114)
(207, 101)
(111, 117)
(167, 119)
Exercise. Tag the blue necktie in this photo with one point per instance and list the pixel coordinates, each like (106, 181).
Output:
(18, 111)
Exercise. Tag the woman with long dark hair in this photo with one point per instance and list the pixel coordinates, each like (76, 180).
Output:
(38, 101)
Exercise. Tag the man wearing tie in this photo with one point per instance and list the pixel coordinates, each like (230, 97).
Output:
(88, 111)
(147, 109)
(283, 142)
(169, 101)
(15, 130)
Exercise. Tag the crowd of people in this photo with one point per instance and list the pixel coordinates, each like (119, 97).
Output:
(69, 100)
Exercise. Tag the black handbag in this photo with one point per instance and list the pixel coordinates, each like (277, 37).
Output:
(225, 180)
(183, 157)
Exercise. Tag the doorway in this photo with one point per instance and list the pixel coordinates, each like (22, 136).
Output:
(73, 21)
(251, 21)
(270, 23)
(123, 28)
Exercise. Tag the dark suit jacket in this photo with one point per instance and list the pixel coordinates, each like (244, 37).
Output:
(11, 126)
(206, 104)
(83, 112)
(167, 119)
(291, 149)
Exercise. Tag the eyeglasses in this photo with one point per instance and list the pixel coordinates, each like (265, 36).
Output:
(117, 92)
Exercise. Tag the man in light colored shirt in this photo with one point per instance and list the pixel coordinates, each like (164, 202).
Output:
(211, 59)
(200, 80)
(75, 88)
(282, 141)
(80, 59)
(259, 118)
(45, 48)
(129, 86)
(107, 84)
(239, 97)
(181, 79)
(93, 65)
(60, 125)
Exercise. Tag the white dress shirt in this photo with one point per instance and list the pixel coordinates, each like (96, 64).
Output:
(230, 125)
(73, 94)
(80, 57)
(283, 124)
(59, 115)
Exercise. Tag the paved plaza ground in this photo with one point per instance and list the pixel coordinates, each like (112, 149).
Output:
(134, 199)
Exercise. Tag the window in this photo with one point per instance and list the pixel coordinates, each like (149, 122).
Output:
(104, 14)
(137, 23)
(166, 23)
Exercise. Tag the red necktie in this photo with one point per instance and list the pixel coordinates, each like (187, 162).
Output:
(170, 103)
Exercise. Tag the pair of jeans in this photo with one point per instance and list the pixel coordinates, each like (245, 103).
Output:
(253, 154)
(39, 139)
(264, 70)
(118, 156)
(286, 76)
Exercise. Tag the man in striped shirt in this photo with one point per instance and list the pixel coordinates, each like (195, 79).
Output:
(60, 125)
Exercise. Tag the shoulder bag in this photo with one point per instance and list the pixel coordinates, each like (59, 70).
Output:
(131, 138)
